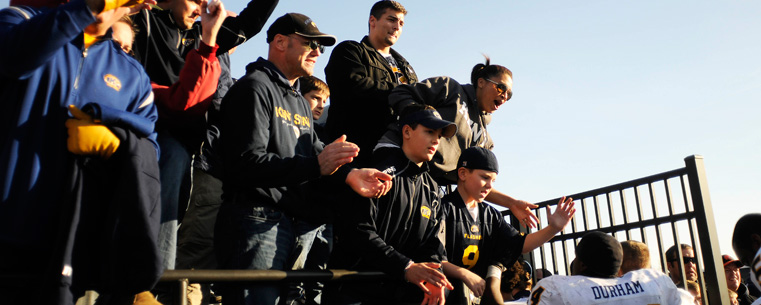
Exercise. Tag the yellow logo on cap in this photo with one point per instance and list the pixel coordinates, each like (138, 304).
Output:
(426, 212)
(113, 82)
(437, 115)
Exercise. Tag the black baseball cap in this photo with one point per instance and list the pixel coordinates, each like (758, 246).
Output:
(432, 119)
(295, 23)
(478, 158)
(601, 253)
(728, 259)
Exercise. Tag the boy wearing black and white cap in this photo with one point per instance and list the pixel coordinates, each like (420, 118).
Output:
(594, 281)
(398, 233)
(477, 235)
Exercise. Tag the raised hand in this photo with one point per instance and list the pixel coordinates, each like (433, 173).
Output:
(563, 213)
(336, 154)
(521, 209)
(213, 14)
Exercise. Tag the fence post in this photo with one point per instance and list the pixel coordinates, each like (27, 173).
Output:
(716, 282)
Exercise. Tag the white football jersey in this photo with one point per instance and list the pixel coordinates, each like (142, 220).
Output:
(639, 287)
(755, 270)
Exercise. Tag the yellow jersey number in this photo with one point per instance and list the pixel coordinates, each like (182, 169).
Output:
(470, 256)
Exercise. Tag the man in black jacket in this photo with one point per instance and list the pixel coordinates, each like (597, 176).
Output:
(167, 33)
(165, 36)
(271, 156)
(361, 75)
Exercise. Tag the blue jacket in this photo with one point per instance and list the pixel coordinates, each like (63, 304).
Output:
(44, 67)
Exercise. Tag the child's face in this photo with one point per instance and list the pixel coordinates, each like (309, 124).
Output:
(122, 33)
(317, 100)
(421, 143)
(477, 183)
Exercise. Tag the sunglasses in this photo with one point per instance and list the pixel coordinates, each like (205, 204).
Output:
(686, 260)
(501, 88)
(312, 44)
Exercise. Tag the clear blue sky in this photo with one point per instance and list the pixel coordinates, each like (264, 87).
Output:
(604, 91)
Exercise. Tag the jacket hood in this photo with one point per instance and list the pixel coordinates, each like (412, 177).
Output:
(268, 68)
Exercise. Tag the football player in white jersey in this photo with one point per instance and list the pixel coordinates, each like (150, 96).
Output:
(598, 258)
(746, 241)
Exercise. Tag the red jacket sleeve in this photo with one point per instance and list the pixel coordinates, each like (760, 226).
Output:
(190, 97)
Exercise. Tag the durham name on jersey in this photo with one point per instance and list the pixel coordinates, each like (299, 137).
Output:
(646, 286)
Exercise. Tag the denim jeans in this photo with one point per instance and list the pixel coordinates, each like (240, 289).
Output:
(252, 237)
(311, 252)
(174, 167)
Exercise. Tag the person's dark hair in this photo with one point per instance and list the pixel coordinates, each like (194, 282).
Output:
(745, 227)
(515, 277)
(310, 83)
(380, 7)
(487, 71)
(671, 253)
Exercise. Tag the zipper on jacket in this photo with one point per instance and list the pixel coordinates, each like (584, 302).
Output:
(79, 71)
(412, 198)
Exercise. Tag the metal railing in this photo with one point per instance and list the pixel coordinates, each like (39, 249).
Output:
(648, 210)
(643, 209)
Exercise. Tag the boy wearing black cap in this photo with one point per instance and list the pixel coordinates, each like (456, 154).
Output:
(594, 281)
(397, 233)
(273, 158)
(477, 235)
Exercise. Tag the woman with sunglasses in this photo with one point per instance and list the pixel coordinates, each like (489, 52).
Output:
(470, 106)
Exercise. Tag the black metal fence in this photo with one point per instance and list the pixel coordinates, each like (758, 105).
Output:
(661, 210)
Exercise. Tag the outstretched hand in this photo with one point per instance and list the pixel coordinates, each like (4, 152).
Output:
(336, 154)
(521, 209)
(369, 182)
(422, 273)
(563, 213)
(435, 295)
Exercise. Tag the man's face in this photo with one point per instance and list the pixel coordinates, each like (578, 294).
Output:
(387, 29)
(491, 94)
(732, 272)
(477, 183)
(185, 12)
(422, 142)
(300, 58)
(317, 100)
(690, 267)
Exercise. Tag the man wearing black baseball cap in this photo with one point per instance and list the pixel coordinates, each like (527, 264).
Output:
(272, 156)
(594, 281)
(477, 236)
